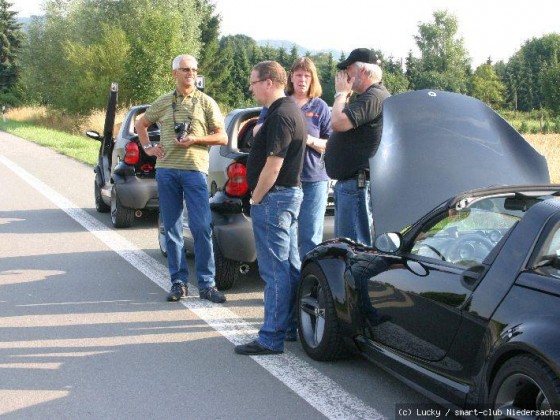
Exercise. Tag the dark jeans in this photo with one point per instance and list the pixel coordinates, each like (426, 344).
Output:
(174, 186)
(275, 229)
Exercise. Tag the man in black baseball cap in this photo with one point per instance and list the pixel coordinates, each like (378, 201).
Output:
(356, 133)
(363, 55)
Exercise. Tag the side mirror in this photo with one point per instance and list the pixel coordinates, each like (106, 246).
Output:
(472, 275)
(200, 83)
(94, 135)
(388, 242)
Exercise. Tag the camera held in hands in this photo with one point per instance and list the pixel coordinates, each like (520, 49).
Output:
(182, 129)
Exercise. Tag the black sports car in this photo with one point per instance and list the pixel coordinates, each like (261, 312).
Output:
(463, 304)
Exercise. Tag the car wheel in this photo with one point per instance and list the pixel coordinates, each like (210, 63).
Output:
(161, 237)
(100, 205)
(319, 329)
(525, 383)
(121, 217)
(227, 271)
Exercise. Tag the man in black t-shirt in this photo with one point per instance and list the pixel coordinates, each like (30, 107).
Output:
(356, 133)
(273, 174)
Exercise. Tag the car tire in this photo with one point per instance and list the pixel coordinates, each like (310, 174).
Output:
(121, 217)
(100, 205)
(227, 271)
(319, 328)
(525, 382)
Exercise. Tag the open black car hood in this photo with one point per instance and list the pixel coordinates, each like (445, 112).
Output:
(438, 144)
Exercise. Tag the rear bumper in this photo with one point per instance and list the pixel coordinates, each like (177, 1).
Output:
(233, 229)
(234, 236)
(137, 193)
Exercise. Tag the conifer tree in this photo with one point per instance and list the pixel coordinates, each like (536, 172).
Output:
(11, 37)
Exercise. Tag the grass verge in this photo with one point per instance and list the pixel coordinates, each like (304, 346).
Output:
(80, 148)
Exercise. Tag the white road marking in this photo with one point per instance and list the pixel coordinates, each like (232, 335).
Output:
(322, 393)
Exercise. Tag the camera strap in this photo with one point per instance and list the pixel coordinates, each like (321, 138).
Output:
(174, 104)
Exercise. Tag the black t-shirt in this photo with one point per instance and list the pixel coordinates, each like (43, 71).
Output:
(282, 134)
(349, 151)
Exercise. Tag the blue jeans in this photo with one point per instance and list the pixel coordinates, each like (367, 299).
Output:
(275, 229)
(352, 206)
(312, 215)
(174, 186)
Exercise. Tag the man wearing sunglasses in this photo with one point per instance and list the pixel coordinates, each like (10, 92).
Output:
(190, 122)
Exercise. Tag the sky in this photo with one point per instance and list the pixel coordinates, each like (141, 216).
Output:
(489, 28)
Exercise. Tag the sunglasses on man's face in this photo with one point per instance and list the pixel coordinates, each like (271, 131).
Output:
(187, 69)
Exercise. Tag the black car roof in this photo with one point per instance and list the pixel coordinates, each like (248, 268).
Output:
(466, 198)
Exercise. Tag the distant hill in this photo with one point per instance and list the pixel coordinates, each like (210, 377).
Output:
(287, 45)
(25, 21)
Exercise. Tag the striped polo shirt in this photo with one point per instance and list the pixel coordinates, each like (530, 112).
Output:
(198, 109)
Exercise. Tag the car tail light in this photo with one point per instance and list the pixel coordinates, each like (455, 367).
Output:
(146, 167)
(131, 153)
(236, 185)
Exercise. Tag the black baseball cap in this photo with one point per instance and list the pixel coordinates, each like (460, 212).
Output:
(363, 55)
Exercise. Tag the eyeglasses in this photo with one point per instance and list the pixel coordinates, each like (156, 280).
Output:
(187, 69)
(251, 84)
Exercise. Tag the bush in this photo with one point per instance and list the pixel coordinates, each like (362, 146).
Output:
(556, 127)
(10, 100)
(547, 127)
(524, 127)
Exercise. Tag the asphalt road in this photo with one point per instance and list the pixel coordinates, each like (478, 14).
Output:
(85, 331)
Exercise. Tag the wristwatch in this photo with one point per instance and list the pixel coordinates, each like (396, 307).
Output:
(147, 146)
(337, 94)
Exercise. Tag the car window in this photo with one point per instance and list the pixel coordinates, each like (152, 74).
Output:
(549, 256)
(465, 237)
(245, 134)
(153, 127)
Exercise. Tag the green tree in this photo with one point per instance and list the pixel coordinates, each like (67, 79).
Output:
(214, 62)
(240, 71)
(95, 66)
(524, 71)
(256, 55)
(444, 62)
(394, 76)
(283, 58)
(520, 93)
(269, 52)
(326, 69)
(486, 86)
(43, 67)
(294, 55)
(157, 32)
(11, 39)
(550, 84)
(74, 32)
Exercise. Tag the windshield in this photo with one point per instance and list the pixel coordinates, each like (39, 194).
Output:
(465, 237)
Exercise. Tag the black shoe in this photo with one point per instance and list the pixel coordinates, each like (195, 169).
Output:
(178, 291)
(254, 349)
(291, 336)
(212, 294)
